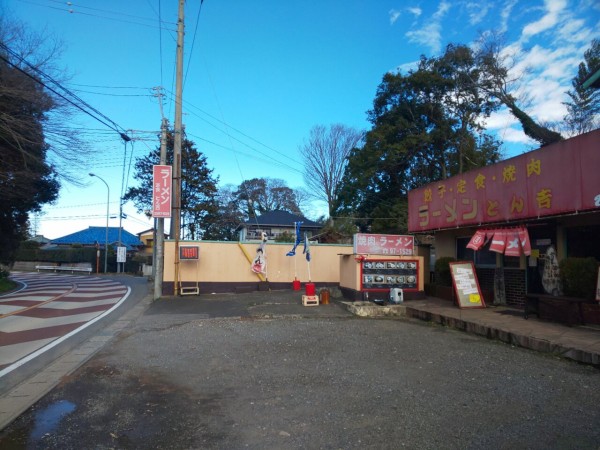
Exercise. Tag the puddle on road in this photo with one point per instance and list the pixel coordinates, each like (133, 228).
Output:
(44, 421)
(47, 419)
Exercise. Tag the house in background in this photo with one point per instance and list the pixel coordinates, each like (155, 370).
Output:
(93, 236)
(147, 238)
(40, 240)
(276, 223)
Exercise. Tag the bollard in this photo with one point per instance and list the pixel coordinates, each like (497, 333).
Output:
(324, 296)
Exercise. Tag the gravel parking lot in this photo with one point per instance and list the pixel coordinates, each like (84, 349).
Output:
(188, 381)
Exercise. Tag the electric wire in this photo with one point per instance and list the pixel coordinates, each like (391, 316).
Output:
(45, 76)
(193, 42)
(111, 94)
(160, 42)
(116, 19)
(228, 126)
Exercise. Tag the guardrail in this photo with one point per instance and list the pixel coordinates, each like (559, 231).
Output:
(64, 269)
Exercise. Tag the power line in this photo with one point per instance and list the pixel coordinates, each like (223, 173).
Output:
(39, 72)
(284, 155)
(109, 94)
(72, 11)
(193, 41)
(109, 87)
(267, 158)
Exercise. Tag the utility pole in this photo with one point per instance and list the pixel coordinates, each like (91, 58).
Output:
(176, 219)
(159, 243)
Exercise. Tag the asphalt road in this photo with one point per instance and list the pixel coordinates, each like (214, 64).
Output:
(195, 380)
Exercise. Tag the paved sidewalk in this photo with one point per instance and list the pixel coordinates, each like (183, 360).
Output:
(580, 343)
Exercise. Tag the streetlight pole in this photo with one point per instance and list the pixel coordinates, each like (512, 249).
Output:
(107, 207)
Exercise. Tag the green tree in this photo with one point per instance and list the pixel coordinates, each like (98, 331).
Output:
(27, 179)
(222, 224)
(260, 195)
(584, 108)
(198, 187)
(426, 127)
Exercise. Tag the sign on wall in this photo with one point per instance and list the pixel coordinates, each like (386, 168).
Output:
(384, 244)
(189, 252)
(161, 191)
(380, 274)
(466, 285)
(557, 179)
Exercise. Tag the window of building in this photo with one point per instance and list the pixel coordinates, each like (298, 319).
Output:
(481, 258)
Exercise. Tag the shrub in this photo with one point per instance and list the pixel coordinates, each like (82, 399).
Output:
(578, 277)
(442, 271)
(30, 245)
(286, 236)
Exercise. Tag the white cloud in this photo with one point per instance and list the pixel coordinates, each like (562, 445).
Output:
(415, 11)
(477, 11)
(430, 35)
(500, 120)
(505, 14)
(549, 20)
(404, 68)
(394, 15)
(574, 31)
(516, 136)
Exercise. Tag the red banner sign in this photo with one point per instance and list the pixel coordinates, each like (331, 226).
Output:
(384, 244)
(161, 191)
(558, 179)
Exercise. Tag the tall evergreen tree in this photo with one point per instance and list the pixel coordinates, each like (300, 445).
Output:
(198, 187)
(583, 111)
(426, 127)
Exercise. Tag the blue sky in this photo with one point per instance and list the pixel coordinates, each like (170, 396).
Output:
(260, 74)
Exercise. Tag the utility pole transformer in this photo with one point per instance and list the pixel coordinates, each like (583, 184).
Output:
(176, 215)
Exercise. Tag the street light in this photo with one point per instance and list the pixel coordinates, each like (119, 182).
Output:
(107, 205)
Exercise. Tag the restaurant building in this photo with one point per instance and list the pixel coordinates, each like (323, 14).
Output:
(516, 219)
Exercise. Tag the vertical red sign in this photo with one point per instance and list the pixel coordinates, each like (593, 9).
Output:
(161, 191)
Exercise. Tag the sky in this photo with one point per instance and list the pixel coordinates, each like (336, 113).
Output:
(258, 75)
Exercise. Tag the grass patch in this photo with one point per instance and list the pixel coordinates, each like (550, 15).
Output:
(7, 285)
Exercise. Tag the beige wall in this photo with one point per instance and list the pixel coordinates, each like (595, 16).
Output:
(226, 262)
(445, 241)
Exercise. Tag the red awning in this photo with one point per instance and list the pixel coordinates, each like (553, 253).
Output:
(510, 241)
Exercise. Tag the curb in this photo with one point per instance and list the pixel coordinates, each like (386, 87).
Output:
(538, 344)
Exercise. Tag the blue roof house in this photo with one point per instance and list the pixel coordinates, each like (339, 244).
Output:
(97, 235)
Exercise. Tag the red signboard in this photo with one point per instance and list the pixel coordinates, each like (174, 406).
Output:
(561, 178)
(189, 252)
(384, 244)
(161, 191)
